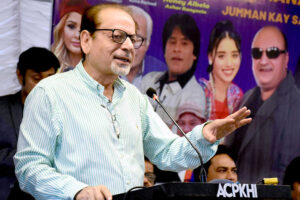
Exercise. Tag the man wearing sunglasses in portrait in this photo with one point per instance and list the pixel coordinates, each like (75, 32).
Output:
(271, 141)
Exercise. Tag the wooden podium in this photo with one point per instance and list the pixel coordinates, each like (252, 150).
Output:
(193, 191)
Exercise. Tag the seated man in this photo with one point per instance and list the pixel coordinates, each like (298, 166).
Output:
(34, 65)
(149, 178)
(292, 177)
(221, 166)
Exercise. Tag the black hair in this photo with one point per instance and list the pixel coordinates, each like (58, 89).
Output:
(222, 149)
(221, 30)
(292, 172)
(37, 59)
(189, 29)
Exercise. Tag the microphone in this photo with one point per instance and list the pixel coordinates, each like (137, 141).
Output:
(153, 95)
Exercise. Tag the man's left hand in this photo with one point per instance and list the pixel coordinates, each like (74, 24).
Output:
(220, 128)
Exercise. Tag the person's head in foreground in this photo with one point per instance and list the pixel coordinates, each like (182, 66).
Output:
(150, 176)
(35, 64)
(222, 165)
(292, 177)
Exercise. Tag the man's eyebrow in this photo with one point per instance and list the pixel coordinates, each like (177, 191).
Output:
(222, 167)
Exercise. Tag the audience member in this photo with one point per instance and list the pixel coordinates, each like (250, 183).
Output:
(221, 166)
(292, 177)
(34, 64)
(149, 178)
(266, 146)
(66, 44)
(181, 44)
(85, 132)
(224, 57)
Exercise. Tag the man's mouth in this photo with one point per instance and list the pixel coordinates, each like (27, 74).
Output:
(265, 69)
(176, 59)
(123, 59)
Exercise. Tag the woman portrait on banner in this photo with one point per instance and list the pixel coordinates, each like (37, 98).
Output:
(66, 45)
(224, 57)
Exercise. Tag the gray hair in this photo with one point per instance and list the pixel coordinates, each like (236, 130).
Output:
(139, 11)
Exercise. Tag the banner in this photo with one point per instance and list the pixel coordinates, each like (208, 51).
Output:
(247, 16)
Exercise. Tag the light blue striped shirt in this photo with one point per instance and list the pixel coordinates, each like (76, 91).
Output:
(69, 138)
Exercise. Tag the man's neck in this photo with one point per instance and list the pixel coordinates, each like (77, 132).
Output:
(266, 94)
(134, 71)
(23, 96)
(107, 81)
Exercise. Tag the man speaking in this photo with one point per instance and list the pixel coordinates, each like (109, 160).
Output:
(85, 132)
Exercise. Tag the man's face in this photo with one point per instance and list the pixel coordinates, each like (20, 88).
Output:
(296, 191)
(142, 31)
(104, 55)
(179, 54)
(32, 78)
(187, 121)
(149, 177)
(222, 167)
(269, 72)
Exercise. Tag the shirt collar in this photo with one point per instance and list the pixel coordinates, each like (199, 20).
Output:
(181, 79)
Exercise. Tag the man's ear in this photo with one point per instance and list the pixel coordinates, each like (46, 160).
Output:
(20, 77)
(85, 38)
(287, 59)
(194, 57)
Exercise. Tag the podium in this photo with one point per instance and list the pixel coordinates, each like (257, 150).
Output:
(193, 191)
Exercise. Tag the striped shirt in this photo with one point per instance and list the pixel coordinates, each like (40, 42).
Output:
(72, 136)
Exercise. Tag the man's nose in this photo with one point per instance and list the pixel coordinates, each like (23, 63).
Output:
(264, 59)
(177, 47)
(127, 44)
(231, 176)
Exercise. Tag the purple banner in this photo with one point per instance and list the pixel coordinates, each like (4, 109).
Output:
(247, 17)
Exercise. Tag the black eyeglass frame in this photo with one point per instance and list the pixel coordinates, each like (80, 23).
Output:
(271, 52)
(136, 40)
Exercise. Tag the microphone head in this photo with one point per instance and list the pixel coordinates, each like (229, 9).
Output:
(151, 93)
(221, 181)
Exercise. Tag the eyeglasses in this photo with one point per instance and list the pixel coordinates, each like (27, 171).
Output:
(272, 52)
(120, 36)
(150, 176)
